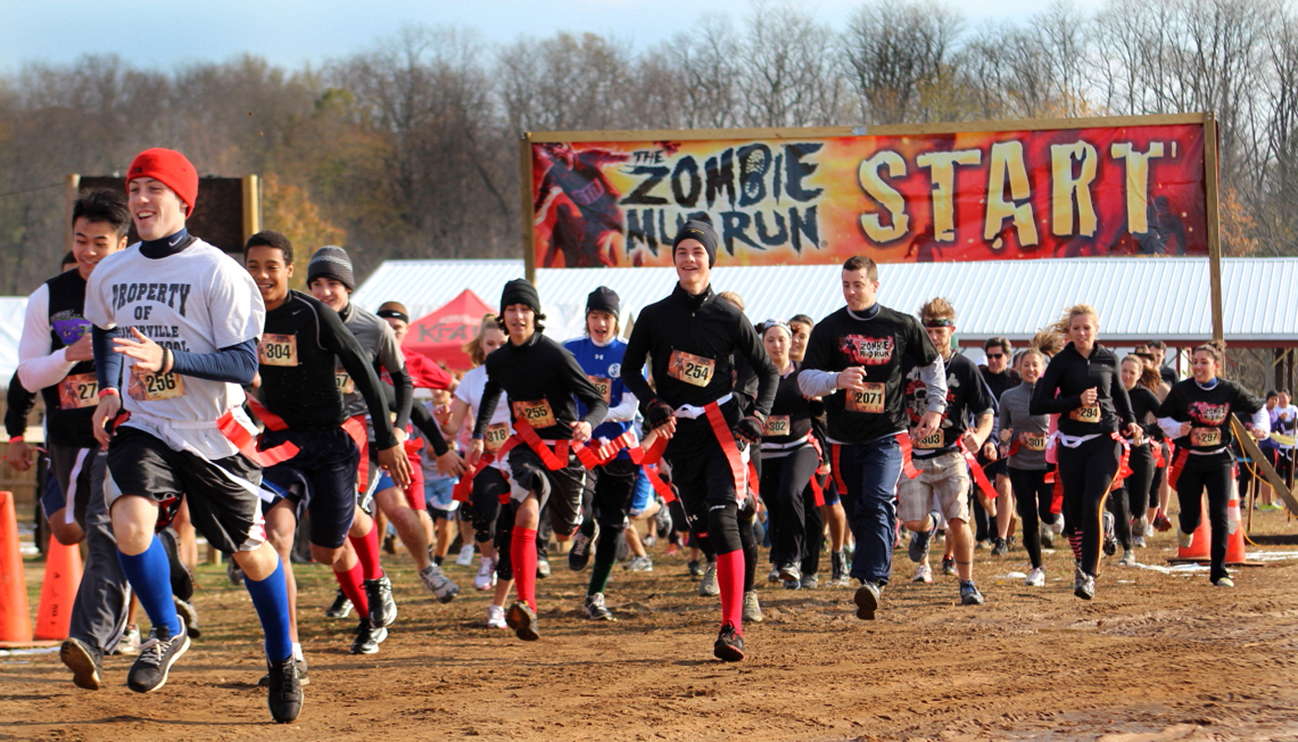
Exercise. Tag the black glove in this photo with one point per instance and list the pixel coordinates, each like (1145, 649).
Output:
(750, 429)
(658, 413)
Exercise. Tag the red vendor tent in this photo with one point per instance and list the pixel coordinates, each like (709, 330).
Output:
(442, 333)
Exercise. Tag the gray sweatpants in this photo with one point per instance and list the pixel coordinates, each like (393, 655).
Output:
(99, 613)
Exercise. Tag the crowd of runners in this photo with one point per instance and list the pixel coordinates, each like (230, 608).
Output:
(186, 393)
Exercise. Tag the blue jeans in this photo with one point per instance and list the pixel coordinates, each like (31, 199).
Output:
(870, 471)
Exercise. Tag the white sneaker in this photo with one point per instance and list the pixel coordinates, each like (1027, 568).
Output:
(496, 617)
(1186, 540)
(1128, 559)
(466, 555)
(923, 573)
(486, 577)
(1036, 578)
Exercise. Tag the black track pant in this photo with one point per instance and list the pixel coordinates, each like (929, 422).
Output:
(1032, 499)
(1211, 473)
(1087, 473)
(784, 481)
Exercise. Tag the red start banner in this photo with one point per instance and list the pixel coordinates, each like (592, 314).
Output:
(1010, 190)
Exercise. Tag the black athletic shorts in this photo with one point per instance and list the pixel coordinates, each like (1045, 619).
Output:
(320, 479)
(561, 489)
(222, 494)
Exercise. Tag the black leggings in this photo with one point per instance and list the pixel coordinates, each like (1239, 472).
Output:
(492, 521)
(1132, 498)
(814, 533)
(1087, 473)
(1033, 496)
(1210, 472)
(611, 488)
(784, 480)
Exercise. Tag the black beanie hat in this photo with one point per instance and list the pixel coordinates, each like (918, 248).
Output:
(520, 291)
(697, 229)
(331, 262)
(603, 299)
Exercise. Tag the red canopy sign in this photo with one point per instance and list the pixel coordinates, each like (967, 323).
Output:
(441, 335)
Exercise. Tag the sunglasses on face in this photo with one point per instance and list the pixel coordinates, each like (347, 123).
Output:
(995, 355)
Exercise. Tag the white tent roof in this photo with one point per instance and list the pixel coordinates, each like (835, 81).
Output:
(1137, 298)
(12, 309)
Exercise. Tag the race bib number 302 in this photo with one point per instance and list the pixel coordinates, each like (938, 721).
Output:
(537, 414)
(778, 425)
(150, 386)
(1086, 414)
(868, 400)
(278, 350)
(79, 391)
(690, 368)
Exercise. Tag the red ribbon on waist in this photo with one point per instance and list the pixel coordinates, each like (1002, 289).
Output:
(722, 431)
(553, 460)
(1124, 464)
(907, 465)
(979, 476)
(605, 453)
(247, 443)
(659, 484)
(653, 455)
(1178, 464)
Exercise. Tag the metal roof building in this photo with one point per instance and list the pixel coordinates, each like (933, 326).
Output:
(1138, 298)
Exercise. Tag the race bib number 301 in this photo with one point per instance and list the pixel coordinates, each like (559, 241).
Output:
(151, 386)
(537, 414)
(690, 368)
(1086, 414)
(78, 391)
(278, 350)
(869, 400)
(1033, 441)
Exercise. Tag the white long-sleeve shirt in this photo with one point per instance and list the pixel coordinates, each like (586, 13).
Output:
(38, 366)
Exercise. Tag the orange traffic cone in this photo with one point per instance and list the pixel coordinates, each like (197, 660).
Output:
(62, 577)
(1234, 531)
(15, 622)
(1202, 546)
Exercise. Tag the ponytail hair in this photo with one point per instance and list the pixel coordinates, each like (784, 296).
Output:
(1214, 348)
(1061, 327)
(474, 347)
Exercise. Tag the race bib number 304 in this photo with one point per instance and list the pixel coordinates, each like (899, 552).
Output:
(868, 400)
(151, 386)
(537, 414)
(690, 368)
(79, 391)
(278, 350)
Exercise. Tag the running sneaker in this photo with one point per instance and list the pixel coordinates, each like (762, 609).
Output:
(368, 637)
(1139, 541)
(522, 619)
(969, 594)
(496, 617)
(86, 664)
(640, 564)
(595, 608)
(383, 609)
(1185, 540)
(790, 572)
(695, 568)
(1128, 558)
(285, 694)
(1036, 578)
(1110, 542)
(1149, 529)
(582, 542)
(438, 584)
(340, 608)
(299, 664)
(810, 582)
(542, 568)
(774, 575)
(729, 645)
(182, 580)
(663, 520)
(157, 654)
(1047, 536)
(130, 641)
(1139, 526)
(1224, 582)
(752, 607)
(923, 573)
(791, 584)
(708, 585)
(486, 577)
(948, 565)
(188, 615)
(390, 543)
(1083, 583)
(1000, 547)
(466, 555)
(234, 573)
(867, 600)
(1162, 522)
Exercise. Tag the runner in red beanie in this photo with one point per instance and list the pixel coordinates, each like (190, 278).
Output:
(170, 167)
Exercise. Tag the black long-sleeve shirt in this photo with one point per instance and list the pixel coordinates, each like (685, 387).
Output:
(540, 377)
(1068, 375)
(20, 403)
(791, 414)
(1144, 406)
(1208, 411)
(303, 342)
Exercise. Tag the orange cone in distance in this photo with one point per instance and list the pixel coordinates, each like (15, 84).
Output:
(1202, 546)
(58, 591)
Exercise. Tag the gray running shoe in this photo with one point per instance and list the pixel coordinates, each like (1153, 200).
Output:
(439, 584)
(522, 619)
(810, 582)
(640, 564)
(368, 637)
(752, 607)
(1083, 583)
(708, 585)
(340, 608)
(86, 664)
(919, 543)
(579, 554)
(867, 600)
(969, 594)
(383, 609)
(790, 572)
(595, 608)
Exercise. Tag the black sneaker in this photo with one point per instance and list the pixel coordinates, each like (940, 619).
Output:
(86, 664)
(368, 637)
(340, 608)
(302, 678)
(919, 543)
(867, 600)
(579, 554)
(182, 580)
(595, 608)
(157, 654)
(285, 694)
(729, 645)
(999, 547)
(383, 609)
(188, 615)
(696, 569)
(522, 619)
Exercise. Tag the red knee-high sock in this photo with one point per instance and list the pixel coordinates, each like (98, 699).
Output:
(730, 578)
(350, 582)
(522, 548)
(367, 548)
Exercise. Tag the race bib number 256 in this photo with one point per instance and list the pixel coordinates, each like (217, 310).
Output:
(151, 386)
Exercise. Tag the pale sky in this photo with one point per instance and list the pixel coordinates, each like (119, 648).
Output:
(159, 34)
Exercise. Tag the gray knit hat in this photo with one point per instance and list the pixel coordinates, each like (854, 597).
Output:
(331, 261)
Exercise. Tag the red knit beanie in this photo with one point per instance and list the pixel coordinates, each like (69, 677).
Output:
(170, 167)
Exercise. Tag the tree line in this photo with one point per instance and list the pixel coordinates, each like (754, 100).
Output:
(409, 149)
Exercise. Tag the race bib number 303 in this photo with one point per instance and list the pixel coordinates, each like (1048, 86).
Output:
(868, 400)
(278, 350)
(79, 391)
(934, 440)
(537, 414)
(151, 386)
(690, 368)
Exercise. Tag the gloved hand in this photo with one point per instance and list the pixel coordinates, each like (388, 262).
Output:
(659, 413)
(750, 430)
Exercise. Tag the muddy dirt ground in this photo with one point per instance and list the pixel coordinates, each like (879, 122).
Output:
(1157, 656)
